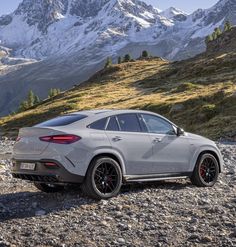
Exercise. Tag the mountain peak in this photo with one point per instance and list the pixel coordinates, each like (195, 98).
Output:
(174, 14)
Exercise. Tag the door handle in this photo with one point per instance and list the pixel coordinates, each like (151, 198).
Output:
(116, 138)
(156, 140)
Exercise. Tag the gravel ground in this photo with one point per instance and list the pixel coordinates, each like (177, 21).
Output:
(158, 214)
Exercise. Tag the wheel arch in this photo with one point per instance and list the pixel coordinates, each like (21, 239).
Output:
(116, 156)
(213, 154)
(210, 150)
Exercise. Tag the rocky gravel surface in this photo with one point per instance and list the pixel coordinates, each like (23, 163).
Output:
(156, 214)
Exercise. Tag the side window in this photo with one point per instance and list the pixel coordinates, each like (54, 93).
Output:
(129, 123)
(112, 125)
(157, 125)
(99, 125)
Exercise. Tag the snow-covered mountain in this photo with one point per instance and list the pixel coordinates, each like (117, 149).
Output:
(174, 14)
(63, 26)
(57, 43)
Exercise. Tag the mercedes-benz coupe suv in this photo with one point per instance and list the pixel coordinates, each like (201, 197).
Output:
(104, 149)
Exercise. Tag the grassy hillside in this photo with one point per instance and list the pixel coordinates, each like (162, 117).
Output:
(198, 94)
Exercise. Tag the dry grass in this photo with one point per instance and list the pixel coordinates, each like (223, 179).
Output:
(204, 87)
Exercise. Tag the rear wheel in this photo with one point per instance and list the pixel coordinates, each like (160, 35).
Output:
(48, 188)
(103, 179)
(206, 171)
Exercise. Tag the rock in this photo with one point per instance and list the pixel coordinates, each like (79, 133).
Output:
(121, 240)
(206, 239)
(233, 234)
(193, 237)
(105, 223)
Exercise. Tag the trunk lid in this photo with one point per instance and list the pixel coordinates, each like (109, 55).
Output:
(29, 142)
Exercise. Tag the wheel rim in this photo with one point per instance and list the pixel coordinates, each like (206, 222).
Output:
(208, 170)
(106, 178)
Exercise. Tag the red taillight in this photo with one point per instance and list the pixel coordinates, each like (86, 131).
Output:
(60, 139)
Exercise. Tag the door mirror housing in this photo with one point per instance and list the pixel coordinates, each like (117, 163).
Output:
(180, 132)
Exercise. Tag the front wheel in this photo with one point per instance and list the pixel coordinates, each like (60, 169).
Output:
(48, 188)
(206, 171)
(103, 179)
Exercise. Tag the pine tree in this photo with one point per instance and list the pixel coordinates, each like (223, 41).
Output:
(31, 98)
(50, 94)
(218, 32)
(53, 92)
(119, 60)
(58, 91)
(214, 36)
(127, 58)
(145, 54)
(36, 99)
(228, 26)
(209, 38)
(108, 62)
(23, 106)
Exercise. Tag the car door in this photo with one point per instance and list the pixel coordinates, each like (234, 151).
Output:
(171, 153)
(125, 134)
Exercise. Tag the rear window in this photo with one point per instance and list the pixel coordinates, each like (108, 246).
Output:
(62, 120)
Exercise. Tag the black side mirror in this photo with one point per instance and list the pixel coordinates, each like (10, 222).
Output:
(180, 132)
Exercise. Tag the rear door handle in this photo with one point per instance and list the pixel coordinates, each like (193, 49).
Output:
(156, 140)
(116, 139)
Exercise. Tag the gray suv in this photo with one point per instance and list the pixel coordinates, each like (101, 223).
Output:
(103, 149)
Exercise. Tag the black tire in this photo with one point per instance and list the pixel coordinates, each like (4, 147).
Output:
(103, 179)
(49, 188)
(206, 171)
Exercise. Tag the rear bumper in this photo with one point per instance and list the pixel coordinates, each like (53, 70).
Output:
(44, 174)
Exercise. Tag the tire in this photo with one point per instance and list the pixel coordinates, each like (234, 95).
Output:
(49, 188)
(103, 179)
(206, 171)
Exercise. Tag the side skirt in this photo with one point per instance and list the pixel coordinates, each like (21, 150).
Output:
(156, 177)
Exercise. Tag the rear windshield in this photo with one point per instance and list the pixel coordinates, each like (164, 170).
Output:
(62, 120)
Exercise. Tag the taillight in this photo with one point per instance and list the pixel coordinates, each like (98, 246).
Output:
(60, 139)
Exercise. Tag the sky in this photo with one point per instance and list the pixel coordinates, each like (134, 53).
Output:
(7, 6)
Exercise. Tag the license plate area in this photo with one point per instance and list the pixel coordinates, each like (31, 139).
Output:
(28, 166)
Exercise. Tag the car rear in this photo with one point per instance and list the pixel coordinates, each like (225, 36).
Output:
(48, 152)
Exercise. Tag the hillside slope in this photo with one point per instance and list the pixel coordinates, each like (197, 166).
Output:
(199, 94)
(205, 103)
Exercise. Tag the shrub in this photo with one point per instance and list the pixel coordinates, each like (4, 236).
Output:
(185, 87)
(127, 58)
(145, 54)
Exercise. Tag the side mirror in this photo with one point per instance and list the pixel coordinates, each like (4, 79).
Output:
(180, 132)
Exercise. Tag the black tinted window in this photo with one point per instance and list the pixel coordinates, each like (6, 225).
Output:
(99, 125)
(62, 120)
(129, 123)
(157, 125)
(112, 125)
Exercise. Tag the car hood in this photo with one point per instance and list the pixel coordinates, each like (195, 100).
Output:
(200, 138)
